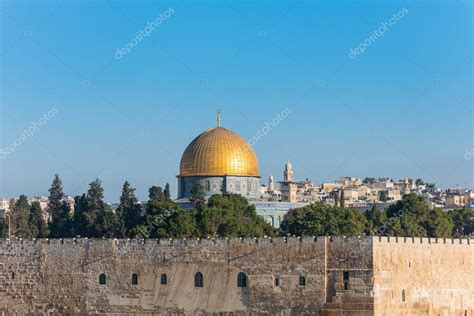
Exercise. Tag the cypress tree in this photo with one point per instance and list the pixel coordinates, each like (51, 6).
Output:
(79, 220)
(167, 192)
(59, 210)
(37, 224)
(99, 219)
(19, 217)
(155, 193)
(56, 196)
(128, 211)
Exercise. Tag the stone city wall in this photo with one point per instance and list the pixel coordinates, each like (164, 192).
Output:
(423, 276)
(342, 276)
(62, 276)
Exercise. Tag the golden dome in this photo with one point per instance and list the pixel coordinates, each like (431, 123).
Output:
(219, 152)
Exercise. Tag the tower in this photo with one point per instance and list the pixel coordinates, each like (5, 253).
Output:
(288, 173)
(288, 186)
(271, 184)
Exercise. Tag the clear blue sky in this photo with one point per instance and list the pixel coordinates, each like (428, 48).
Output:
(402, 108)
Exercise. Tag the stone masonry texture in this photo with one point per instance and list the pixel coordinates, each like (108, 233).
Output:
(328, 276)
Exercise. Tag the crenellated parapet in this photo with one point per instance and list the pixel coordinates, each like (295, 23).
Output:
(298, 275)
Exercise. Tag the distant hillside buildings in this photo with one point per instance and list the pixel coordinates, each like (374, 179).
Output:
(358, 193)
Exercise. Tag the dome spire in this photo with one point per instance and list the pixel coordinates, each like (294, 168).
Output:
(218, 118)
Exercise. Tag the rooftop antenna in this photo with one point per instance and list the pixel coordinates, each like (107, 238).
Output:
(218, 118)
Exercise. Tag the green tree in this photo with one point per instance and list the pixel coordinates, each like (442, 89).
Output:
(410, 217)
(59, 209)
(79, 218)
(376, 220)
(56, 196)
(128, 212)
(20, 213)
(209, 219)
(167, 192)
(321, 219)
(230, 215)
(182, 223)
(409, 204)
(463, 222)
(198, 199)
(36, 222)
(439, 224)
(159, 212)
(156, 193)
(408, 225)
(94, 217)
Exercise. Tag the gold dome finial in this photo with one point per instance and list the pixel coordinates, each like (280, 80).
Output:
(218, 118)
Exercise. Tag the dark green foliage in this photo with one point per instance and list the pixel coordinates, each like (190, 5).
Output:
(463, 222)
(383, 196)
(181, 223)
(439, 224)
(408, 217)
(159, 213)
(198, 199)
(167, 192)
(61, 225)
(322, 219)
(56, 196)
(37, 224)
(128, 212)
(412, 217)
(92, 217)
(79, 219)
(230, 215)
(227, 215)
(20, 214)
(26, 221)
(409, 204)
(167, 222)
(376, 219)
(156, 193)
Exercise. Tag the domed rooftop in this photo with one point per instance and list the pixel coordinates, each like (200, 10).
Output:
(218, 152)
